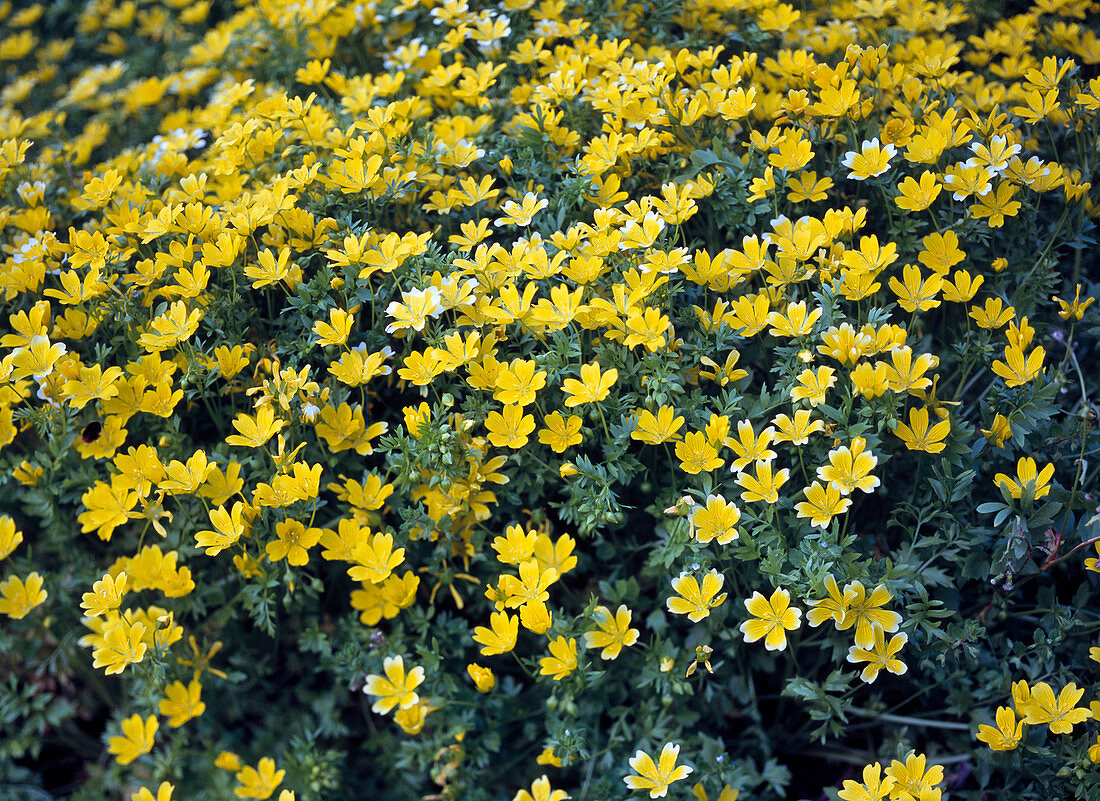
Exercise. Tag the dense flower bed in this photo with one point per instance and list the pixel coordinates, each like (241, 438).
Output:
(544, 399)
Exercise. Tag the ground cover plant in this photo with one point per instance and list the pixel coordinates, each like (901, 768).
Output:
(545, 399)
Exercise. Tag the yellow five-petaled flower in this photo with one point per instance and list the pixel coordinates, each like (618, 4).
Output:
(1006, 735)
(771, 619)
(397, 688)
(656, 776)
(694, 599)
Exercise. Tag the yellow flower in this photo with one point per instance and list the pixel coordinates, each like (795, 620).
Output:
(185, 478)
(613, 632)
(796, 321)
(536, 617)
(1074, 309)
(345, 428)
(473, 232)
(561, 433)
(941, 252)
(593, 386)
(1006, 735)
(716, 520)
(749, 447)
(656, 777)
(994, 206)
(695, 600)
(375, 558)
(519, 382)
(10, 536)
(171, 328)
(523, 212)
(875, 787)
(834, 606)
(968, 178)
(182, 702)
(906, 374)
(122, 644)
(761, 187)
(36, 359)
(313, 72)
(653, 429)
(164, 793)
(845, 344)
(1027, 473)
(541, 791)
(411, 720)
(19, 597)
(795, 152)
(385, 600)
(864, 612)
(918, 436)
(871, 160)
(510, 427)
(293, 543)
(646, 328)
(797, 430)
(416, 419)
(483, 677)
(993, 314)
(917, 195)
(813, 384)
(808, 187)
(414, 309)
(106, 594)
(772, 619)
(912, 781)
(529, 586)
(136, 739)
(1059, 713)
(556, 554)
(221, 486)
(93, 383)
(29, 476)
(397, 688)
(723, 373)
(1018, 369)
(336, 330)
(501, 637)
(963, 287)
(547, 757)
(259, 782)
(881, 655)
(516, 546)
(253, 432)
(227, 760)
(822, 504)
(750, 313)
(229, 526)
(562, 660)
(850, 468)
(696, 455)
(422, 368)
(916, 293)
(764, 485)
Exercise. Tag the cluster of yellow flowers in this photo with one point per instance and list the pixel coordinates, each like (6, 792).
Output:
(302, 250)
(1037, 704)
(911, 780)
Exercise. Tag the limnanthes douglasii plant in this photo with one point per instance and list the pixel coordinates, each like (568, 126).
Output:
(546, 399)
